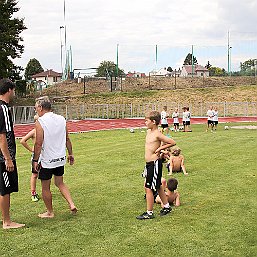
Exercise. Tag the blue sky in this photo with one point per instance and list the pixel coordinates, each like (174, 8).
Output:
(95, 27)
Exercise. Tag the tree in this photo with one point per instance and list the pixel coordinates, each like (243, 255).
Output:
(33, 67)
(188, 60)
(169, 69)
(208, 65)
(108, 67)
(10, 47)
(248, 67)
(216, 71)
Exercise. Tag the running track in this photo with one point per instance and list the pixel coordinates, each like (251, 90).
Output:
(80, 126)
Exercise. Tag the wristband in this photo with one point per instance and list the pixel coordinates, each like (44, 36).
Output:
(34, 160)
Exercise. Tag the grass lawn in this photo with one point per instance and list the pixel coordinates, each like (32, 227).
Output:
(218, 215)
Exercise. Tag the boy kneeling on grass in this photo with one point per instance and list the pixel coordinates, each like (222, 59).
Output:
(154, 144)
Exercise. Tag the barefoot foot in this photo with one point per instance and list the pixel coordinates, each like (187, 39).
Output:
(46, 215)
(13, 225)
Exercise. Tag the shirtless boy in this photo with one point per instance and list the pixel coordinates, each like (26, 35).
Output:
(176, 162)
(172, 194)
(155, 143)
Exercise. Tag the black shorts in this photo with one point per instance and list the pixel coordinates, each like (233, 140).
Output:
(8, 180)
(46, 174)
(176, 124)
(215, 122)
(209, 122)
(153, 174)
(165, 125)
(186, 123)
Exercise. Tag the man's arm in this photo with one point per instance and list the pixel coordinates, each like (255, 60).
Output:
(38, 144)
(5, 151)
(69, 148)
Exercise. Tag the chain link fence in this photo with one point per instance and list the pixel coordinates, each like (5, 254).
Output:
(25, 114)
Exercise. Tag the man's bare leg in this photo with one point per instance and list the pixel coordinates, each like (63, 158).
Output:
(47, 198)
(149, 199)
(5, 208)
(58, 180)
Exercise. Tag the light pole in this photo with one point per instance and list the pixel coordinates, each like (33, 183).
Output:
(61, 27)
(230, 60)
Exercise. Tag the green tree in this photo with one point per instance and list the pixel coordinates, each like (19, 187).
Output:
(108, 68)
(169, 69)
(216, 71)
(33, 67)
(248, 67)
(10, 47)
(188, 60)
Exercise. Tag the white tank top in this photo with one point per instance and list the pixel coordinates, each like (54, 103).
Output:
(53, 153)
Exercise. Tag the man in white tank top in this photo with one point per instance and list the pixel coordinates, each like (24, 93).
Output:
(51, 142)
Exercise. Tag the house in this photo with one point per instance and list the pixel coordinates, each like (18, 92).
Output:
(135, 75)
(197, 71)
(48, 77)
(163, 72)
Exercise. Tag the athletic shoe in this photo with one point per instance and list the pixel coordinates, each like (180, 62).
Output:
(145, 216)
(165, 211)
(35, 198)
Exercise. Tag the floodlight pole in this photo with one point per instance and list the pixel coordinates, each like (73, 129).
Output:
(61, 27)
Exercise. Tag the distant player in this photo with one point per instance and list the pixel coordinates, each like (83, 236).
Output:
(175, 117)
(210, 119)
(164, 120)
(215, 118)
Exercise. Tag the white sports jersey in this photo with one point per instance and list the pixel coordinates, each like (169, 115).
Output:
(164, 116)
(175, 116)
(215, 115)
(210, 114)
(53, 153)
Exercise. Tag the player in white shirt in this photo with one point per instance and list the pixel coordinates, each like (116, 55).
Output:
(215, 118)
(164, 120)
(175, 117)
(210, 119)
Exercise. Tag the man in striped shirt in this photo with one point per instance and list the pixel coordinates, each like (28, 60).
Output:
(8, 168)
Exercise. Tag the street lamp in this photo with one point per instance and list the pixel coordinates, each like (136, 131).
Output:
(61, 27)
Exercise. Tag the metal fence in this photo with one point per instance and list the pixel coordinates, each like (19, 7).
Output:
(25, 114)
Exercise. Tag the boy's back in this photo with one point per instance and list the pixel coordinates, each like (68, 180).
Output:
(176, 162)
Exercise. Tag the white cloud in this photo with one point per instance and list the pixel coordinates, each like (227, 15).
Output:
(95, 27)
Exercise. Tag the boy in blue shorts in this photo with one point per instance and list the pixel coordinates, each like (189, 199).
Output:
(155, 143)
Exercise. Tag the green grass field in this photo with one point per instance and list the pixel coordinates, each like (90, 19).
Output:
(218, 215)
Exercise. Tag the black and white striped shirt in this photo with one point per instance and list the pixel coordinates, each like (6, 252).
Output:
(6, 126)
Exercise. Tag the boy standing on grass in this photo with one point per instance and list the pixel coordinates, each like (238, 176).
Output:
(153, 148)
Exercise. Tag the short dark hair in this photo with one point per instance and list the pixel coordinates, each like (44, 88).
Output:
(172, 184)
(5, 85)
(154, 115)
(44, 102)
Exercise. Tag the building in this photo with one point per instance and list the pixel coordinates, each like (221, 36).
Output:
(195, 71)
(135, 75)
(48, 77)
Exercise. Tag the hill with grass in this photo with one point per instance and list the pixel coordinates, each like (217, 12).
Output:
(141, 91)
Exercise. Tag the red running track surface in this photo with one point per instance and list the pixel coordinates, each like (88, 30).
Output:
(80, 126)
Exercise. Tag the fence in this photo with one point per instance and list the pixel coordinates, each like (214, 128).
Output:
(25, 114)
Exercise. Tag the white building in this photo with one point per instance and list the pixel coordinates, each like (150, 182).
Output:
(48, 77)
(195, 71)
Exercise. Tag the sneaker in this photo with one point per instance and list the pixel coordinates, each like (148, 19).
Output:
(35, 198)
(165, 211)
(145, 216)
